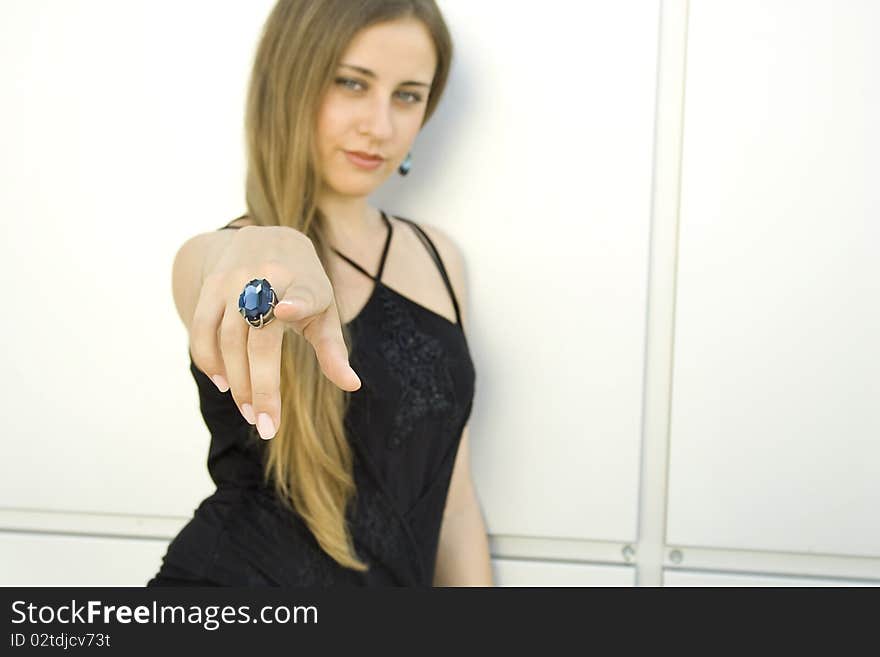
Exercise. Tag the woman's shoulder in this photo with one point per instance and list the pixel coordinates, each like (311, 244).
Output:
(448, 249)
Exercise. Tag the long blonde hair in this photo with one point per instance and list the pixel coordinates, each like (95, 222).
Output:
(309, 461)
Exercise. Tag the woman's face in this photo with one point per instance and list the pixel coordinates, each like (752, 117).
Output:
(375, 105)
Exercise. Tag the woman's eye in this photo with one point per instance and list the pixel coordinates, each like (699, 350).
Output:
(346, 82)
(413, 98)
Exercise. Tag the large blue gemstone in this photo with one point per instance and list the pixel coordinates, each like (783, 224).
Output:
(255, 298)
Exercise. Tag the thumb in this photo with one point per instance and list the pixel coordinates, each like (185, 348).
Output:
(298, 303)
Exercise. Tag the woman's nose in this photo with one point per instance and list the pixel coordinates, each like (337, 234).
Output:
(377, 122)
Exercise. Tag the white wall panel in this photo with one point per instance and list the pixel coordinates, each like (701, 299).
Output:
(698, 578)
(539, 165)
(520, 572)
(120, 138)
(58, 560)
(775, 418)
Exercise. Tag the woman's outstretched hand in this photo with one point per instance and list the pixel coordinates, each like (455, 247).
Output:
(224, 345)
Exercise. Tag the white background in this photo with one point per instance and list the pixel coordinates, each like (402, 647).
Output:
(669, 218)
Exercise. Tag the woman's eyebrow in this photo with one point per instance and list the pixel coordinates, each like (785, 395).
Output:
(370, 74)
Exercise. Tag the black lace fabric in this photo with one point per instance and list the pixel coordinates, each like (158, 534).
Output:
(419, 364)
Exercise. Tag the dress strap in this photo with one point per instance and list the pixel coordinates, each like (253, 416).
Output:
(229, 226)
(435, 254)
(377, 277)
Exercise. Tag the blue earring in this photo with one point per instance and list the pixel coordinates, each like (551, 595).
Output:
(406, 165)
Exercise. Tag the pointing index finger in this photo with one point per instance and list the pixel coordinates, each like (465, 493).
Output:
(324, 333)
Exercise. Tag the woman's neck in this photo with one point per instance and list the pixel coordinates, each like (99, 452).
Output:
(350, 220)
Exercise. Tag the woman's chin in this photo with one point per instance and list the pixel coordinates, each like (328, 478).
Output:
(350, 187)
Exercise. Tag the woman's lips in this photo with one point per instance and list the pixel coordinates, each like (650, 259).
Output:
(363, 161)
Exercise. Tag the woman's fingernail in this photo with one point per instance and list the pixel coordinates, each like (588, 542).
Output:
(294, 304)
(220, 382)
(248, 411)
(265, 426)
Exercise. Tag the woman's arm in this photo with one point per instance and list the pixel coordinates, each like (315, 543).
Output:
(463, 550)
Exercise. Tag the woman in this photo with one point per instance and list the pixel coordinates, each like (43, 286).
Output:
(332, 472)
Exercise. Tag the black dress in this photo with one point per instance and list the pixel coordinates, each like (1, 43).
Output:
(404, 425)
